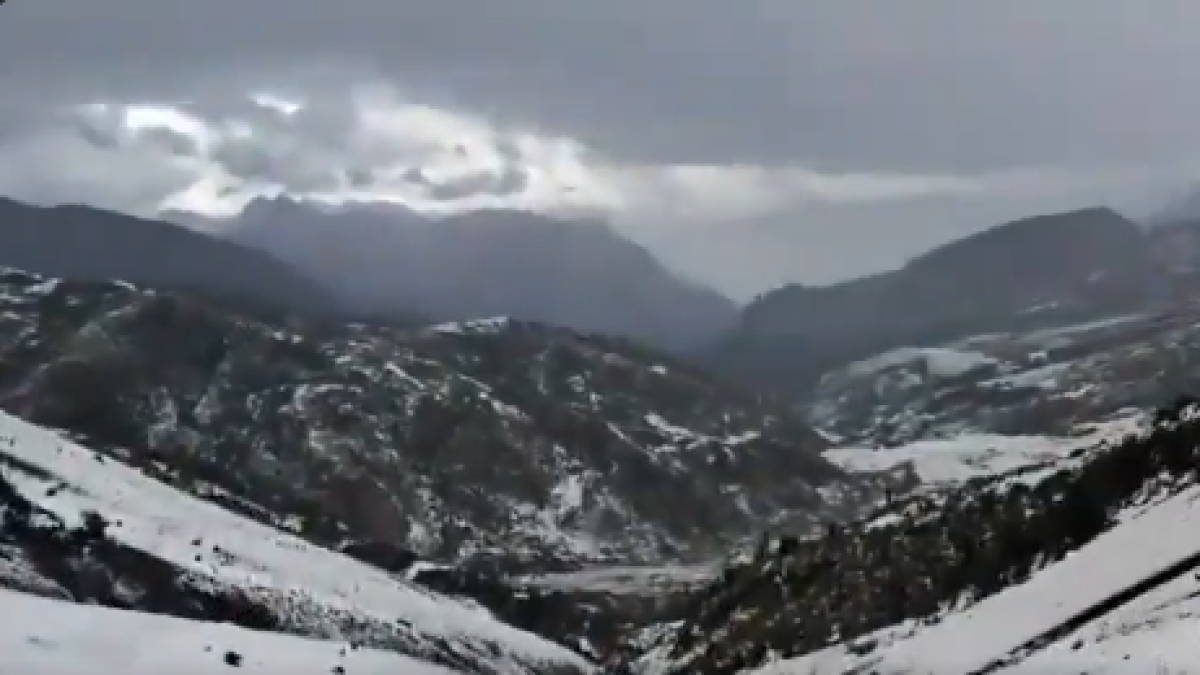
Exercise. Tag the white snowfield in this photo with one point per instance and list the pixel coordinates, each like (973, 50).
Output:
(173, 526)
(952, 461)
(1154, 633)
(940, 362)
(50, 637)
(628, 580)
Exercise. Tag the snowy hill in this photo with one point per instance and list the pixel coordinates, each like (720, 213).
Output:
(498, 440)
(1045, 624)
(949, 463)
(58, 638)
(1034, 382)
(1054, 567)
(1046, 270)
(81, 527)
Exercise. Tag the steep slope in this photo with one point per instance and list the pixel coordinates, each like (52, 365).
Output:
(987, 576)
(80, 527)
(487, 263)
(84, 243)
(489, 440)
(1030, 273)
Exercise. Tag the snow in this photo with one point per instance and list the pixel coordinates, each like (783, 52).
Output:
(627, 579)
(491, 325)
(955, 460)
(1140, 546)
(1044, 377)
(1054, 336)
(154, 517)
(1121, 557)
(1159, 627)
(940, 362)
(61, 638)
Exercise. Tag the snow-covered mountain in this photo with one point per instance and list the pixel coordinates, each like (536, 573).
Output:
(489, 440)
(1084, 563)
(501, 497)
(58, 638)
(1035, 272)
(1024, 382)
(81, 527)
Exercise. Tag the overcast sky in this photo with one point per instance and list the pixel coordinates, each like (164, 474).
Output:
(748, 143)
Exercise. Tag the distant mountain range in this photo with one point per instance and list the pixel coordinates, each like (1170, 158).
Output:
(88, 244)
(485, 263)
(390, 265)
(381, 265)
(1042, 271)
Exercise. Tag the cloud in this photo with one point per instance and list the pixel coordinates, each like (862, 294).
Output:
(368, 143)
(748, 143)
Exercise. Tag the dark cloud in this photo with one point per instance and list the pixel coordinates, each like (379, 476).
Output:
(1076, 90)
(923, 84)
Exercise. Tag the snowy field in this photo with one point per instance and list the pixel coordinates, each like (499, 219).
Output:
(952, 461)
(631, 580)
(232, 551)
(49, 637)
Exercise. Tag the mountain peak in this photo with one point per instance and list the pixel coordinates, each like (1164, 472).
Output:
(487, 262)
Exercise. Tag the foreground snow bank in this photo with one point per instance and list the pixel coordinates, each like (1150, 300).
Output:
(1000, 627)
(49, 637)
(321, 593)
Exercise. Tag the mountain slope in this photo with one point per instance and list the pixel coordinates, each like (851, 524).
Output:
(1013, 382)
(57, 638)
(84, 243)
(971, 579)
(487, 263)
(1035, 272)
(489, 440)
(78, 526)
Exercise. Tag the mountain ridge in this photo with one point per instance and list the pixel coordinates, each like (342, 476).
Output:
(1034, 272)
(489, 262)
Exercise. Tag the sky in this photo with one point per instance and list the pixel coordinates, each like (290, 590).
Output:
(746, 143)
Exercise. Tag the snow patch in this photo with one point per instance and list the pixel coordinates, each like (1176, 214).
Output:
(62, 638)
(939, 362)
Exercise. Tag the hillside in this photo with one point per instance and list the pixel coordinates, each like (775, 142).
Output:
(89, 244)
(486, 263)
(78, 527)
(1036, 272)
(1087, 560)
(1012, 382)
(490, 440)
(501, 497)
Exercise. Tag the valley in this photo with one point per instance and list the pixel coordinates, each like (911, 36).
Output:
(284, 492)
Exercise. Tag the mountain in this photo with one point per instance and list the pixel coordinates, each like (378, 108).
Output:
(1089, 566)
(1035, 272)
(487, 263)
(84, 243)
(493, 440)
(81, 527)
(499, 497)
(1041, 381)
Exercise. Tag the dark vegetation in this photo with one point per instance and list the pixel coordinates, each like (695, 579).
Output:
(800, 596)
